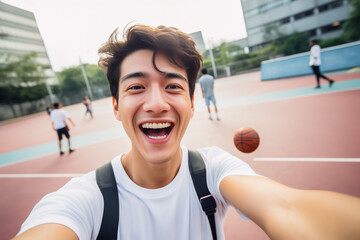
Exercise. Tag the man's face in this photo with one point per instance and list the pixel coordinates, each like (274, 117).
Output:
(154, 107)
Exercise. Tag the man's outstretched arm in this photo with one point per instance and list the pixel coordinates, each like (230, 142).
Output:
(291, 214)
(70, 120)
(47, 231)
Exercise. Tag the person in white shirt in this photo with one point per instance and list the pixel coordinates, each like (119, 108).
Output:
(152, 75)
(315, 62)
(58, 120)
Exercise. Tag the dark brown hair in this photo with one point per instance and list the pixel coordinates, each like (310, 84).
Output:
(177, 46)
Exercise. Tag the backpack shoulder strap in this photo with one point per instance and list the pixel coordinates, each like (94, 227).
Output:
(107, 184)
(198, 174)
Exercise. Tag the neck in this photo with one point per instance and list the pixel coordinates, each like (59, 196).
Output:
(151, 175)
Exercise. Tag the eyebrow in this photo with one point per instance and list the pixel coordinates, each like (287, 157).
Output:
(134, 75)
(166, 75)
(174, 75)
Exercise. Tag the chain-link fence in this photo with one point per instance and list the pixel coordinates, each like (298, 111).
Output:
(11, 110)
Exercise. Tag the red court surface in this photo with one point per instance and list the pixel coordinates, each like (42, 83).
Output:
(315, 127)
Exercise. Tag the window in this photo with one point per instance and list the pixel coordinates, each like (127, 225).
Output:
(256, 30)
(331, 5)
(312, 33)
(17, 19)
(266, 7)
(304, 14)
(251, 13)
(331, 27)
(284, 20)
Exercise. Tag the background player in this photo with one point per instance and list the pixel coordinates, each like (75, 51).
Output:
(207, 90)
(58, 118)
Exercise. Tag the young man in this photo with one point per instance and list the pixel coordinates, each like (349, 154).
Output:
(58, 120)
(152, 76)
(315, 62)
(87, 104)
(207, 90)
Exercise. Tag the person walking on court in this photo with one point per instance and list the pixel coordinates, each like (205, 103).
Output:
(207, 89)
(58, 119)
(49, 109)
(88, 106)
(315, 62)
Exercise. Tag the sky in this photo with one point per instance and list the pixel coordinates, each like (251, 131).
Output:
(74, 29)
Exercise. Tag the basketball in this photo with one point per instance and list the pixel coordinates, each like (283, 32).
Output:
(246, 140)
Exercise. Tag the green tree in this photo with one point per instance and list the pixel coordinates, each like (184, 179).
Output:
(72, 87)
(351, 26)
(24, 70)
(333, 41)
(295, 43)
(22, 79)
(71, 79)
(222, 54)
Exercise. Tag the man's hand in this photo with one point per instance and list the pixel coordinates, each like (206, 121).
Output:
(70, 120)
(288, 213)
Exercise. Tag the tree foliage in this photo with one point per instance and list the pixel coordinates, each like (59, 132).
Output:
(71, 79)
(21, 78)
(352, 25)
(333, 42)
(295, 43)
(72, 87)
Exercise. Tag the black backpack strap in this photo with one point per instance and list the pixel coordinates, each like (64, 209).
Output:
(198, 174)
(106, 181)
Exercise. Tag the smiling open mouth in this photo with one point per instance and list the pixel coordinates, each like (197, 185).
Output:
(156, 130)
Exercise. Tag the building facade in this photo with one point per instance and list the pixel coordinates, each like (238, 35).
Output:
(267, 20)
(199, 40)
(19, 34)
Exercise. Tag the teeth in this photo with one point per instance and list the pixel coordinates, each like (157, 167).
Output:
(158, 137)
(156, 125)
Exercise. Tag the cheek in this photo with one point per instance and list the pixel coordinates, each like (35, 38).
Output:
(183, 107)
(128, 107)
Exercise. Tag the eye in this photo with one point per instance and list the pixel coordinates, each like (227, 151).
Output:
(135, 87)
(173, 86)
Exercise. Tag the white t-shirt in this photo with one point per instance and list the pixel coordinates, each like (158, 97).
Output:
(58, 117)
(172, 212)
(315, 59)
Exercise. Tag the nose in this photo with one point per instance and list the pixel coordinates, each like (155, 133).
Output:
(156, 100)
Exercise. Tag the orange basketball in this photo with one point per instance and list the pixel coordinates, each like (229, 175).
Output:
(246, 139)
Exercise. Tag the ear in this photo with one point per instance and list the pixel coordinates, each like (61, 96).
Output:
(192, 106)
(116, 109)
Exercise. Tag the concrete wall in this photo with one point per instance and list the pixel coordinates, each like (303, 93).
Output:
(343, 56)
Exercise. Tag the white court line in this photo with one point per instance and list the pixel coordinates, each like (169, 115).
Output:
(41, 175)
(307, 159)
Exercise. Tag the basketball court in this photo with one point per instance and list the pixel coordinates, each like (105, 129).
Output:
(309, 139)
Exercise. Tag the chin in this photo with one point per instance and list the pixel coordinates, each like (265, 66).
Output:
(160, 155)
